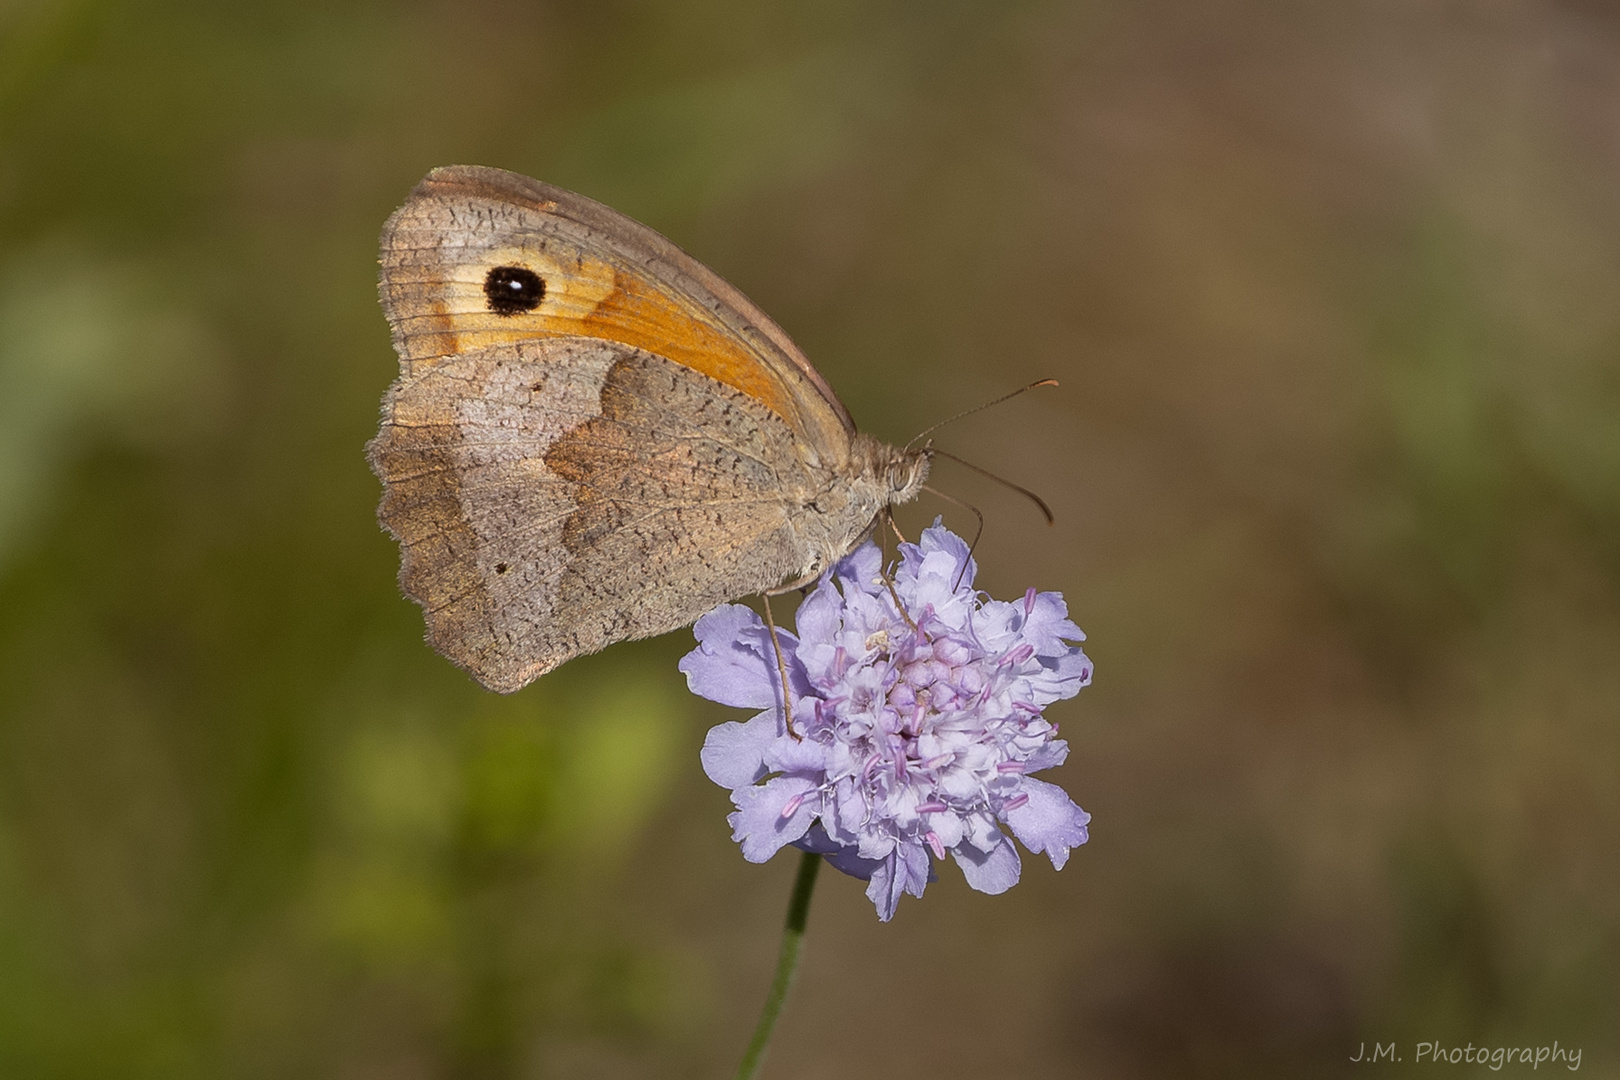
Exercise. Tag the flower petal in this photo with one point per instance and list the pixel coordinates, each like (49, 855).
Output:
(1047, 755)
(993, 871)
(818, 615)
(759, 825)
(860, 569)
(726, 667)
(846, 861)
(938, 538)
(733, 754)
(845, 811)
(1049, 822)
(789, 755)
(842, 857)
(884, 887)
(1048, 627)
(906, 870)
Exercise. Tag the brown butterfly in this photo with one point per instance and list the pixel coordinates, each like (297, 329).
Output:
(593, 437)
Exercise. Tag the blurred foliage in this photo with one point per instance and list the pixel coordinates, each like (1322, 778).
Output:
(1336, 460)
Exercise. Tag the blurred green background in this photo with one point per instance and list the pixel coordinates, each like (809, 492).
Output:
(1331, 290)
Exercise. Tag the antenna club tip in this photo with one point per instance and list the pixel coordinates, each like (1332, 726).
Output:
(1043, 382)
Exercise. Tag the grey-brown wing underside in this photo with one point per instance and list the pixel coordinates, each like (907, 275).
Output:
(554, 496)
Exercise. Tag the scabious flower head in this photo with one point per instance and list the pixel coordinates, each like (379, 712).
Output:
(918, 729)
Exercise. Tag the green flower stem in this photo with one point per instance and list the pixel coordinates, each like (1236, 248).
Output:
(787, 965)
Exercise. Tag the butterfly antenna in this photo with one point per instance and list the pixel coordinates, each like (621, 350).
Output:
(980, 408)
(1024, 491)
(957, 584)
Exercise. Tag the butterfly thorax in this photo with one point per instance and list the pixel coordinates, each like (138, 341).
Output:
(848, 504)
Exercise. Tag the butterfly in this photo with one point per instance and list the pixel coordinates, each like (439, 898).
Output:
(593, 437)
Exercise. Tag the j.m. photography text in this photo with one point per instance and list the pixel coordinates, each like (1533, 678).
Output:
(1495, 1057)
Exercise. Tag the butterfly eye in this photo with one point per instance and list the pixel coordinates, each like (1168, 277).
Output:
(512, 289)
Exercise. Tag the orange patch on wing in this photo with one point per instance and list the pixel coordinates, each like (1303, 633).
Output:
(592, 299)
(646, 319)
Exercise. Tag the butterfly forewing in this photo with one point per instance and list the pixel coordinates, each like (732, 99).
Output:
(604, 276)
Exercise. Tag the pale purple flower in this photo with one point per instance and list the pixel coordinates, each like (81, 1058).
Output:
(914, 740)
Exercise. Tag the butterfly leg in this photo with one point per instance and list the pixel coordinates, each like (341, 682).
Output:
(781, 663)
(888, 519)
(888, 583)
(781, 668)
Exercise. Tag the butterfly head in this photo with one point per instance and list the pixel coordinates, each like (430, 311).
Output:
(879, 476)
(885, 475)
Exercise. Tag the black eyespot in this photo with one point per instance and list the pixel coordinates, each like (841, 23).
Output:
(501, 568)
(512, 289)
